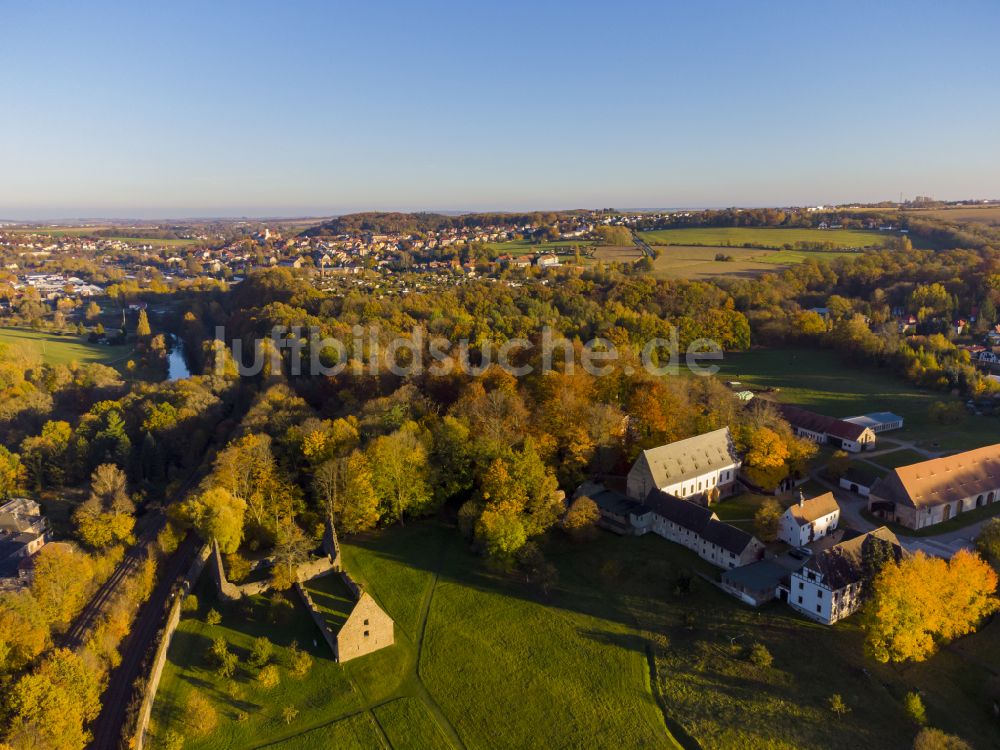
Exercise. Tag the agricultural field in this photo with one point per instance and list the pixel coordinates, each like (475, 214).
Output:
(767, 237)
(982, 215)
(698, 262)
(819, 379)
(88, 232)
(56, 349)
(527, 247)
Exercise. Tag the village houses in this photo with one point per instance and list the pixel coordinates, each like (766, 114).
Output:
(23, 531)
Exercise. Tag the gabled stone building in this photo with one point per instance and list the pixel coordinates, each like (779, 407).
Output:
(368, 628)
(687, 469)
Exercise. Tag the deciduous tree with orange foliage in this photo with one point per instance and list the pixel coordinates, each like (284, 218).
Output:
(923, 601)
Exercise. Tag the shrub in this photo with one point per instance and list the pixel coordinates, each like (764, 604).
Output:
(200, 714)
(838, 706)
(935, 739)
(760, 656)
(915, 707)
(172, 740)
(300, 662)
(269, 677)
(237, 567)
(260, 652)
(580, 521)
(190, 603)
(213, 617)
(288, 713)
(227, 665)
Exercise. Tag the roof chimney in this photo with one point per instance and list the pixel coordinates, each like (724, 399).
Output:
(802, 498)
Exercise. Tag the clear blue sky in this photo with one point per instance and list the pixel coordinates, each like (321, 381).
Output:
(289, 108)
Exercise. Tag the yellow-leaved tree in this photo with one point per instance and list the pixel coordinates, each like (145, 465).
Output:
(923, 601)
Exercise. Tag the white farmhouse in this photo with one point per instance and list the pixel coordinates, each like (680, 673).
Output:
(828, 587)
(809, 520)
(687, 469)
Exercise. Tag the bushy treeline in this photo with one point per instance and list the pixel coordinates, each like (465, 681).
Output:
(868, 300)
(410, 223)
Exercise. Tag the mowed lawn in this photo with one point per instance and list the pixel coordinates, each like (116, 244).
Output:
(764, 236)
(57, 350)
(820, 380)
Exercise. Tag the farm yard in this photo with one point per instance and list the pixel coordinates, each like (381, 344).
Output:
(766, 237)
(484, 662)
(56, 349)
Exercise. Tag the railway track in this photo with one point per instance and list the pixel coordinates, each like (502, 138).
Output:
(107, 728)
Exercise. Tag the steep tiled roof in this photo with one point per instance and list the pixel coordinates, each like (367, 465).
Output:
(807, 511)
(686, 459)
(942, 480)
(841, 563)
(699, 520)
(808, 420)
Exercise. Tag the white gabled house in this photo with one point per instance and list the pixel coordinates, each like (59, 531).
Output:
(687, 469)
(809, 520)
(828, 588)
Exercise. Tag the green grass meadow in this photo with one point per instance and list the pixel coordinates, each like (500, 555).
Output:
(632, 649)
(764, 236)
(478, 662)
(56, 349)
(820, 380)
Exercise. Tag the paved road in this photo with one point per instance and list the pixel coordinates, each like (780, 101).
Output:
(641, 243)
(107, 728)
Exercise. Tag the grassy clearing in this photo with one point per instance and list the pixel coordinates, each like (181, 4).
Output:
(764, 237)
(527, 247)
(358, 732)
(59, 350)
(698, 261)
(743, 506)
(410, 726)
(501, 668)
(819, 379)
(496, 667)
(896, 459)
(613, 254)
(325, 694)
(572, 674)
